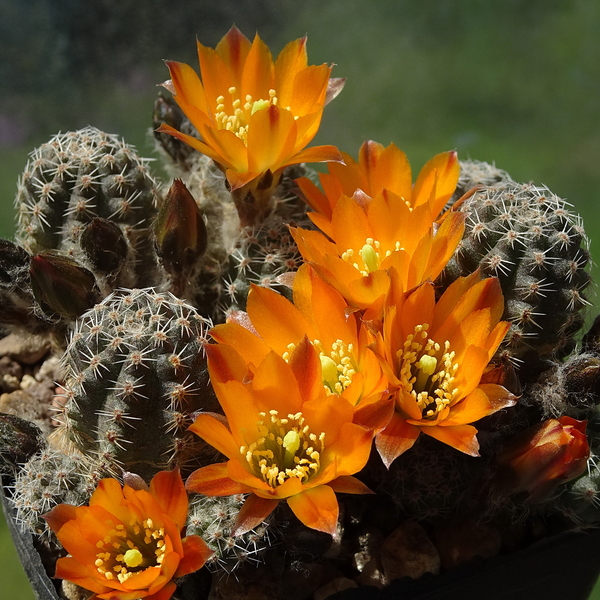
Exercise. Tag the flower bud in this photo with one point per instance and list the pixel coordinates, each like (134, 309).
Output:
(180, 232)
(543, 457)
(61, 286)
(104, 245)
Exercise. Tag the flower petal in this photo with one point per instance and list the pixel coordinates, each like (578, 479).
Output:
(316, 508)
(346, 484)
(461, 437)
(395, 439)
(213, 432)
(195, 554)
(254, 511)
(168, 489)
(214, 480)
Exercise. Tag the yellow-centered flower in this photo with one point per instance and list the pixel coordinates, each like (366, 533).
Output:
(127, 543)
(255, 115)
(348, 368)
(285, 438)
(434, 355)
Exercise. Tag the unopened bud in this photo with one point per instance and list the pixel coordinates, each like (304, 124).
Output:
(104, 245)
(179, 231)
(61, 286)
(541, 458)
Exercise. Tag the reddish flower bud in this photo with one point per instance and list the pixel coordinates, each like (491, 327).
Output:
(545, 456)
(180, 232)
(62, 286)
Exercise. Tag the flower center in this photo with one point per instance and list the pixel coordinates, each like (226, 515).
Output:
(337, 365)
(427, 372)
(285, 448)
(125, 551)
(369, 257)
(237, 119)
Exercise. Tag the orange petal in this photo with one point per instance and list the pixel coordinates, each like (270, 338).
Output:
(214, 480)
(168, 489)
(213, 432)
(191, 141)
(439, 175)
(188, 87)
(59, 515)
(195, 554)
(274, 387)
(306, 365)
(375, 416)
(398, 437)
(346, 484)
(310, 87)
(250, 347)
(315, 154)
(350, 450)
(314, 197)
(258, 73)
(276, 319)
(225, 364)
(291, 60)
(109, 495)
(71, 570)
(392, 172)
(233, 49)
(164, 593)
(316, 508)
(461, 437)
(253, 512)
(271, 138)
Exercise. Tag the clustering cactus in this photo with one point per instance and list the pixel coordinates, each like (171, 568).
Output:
(88, 195)
(135, 374)
(49, 478)
(213, 518)
(527, 237)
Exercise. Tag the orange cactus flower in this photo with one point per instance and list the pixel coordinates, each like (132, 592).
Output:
(349, 369)
(126, 544)
(545, 456)
(435, 355)
(365, 239)
(255, 116)
(380, 169)
(285, 439)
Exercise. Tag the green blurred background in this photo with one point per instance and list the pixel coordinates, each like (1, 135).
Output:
(515, 82)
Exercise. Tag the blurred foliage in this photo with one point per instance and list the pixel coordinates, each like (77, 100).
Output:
(513, 82)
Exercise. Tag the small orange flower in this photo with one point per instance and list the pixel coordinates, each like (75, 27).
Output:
(366, 238)
(285, 438)
(126, 544)
(380, 169)
(435, 355)
(255, 115)
(349, 369)
(546, 456)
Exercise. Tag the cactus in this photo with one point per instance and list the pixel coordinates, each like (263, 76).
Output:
(526, 236)
(49, 478)
(213, 518)
(135, 374)
(89, 196)
(477, 173)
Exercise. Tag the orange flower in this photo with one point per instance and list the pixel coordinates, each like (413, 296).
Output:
(369, 237)
(285, 439)
(126, 544)
(380, 169)
(255, 116)
(545, 456)
(435, 355)
(349, 369)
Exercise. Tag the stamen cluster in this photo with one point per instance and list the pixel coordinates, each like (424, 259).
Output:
(286, 448)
